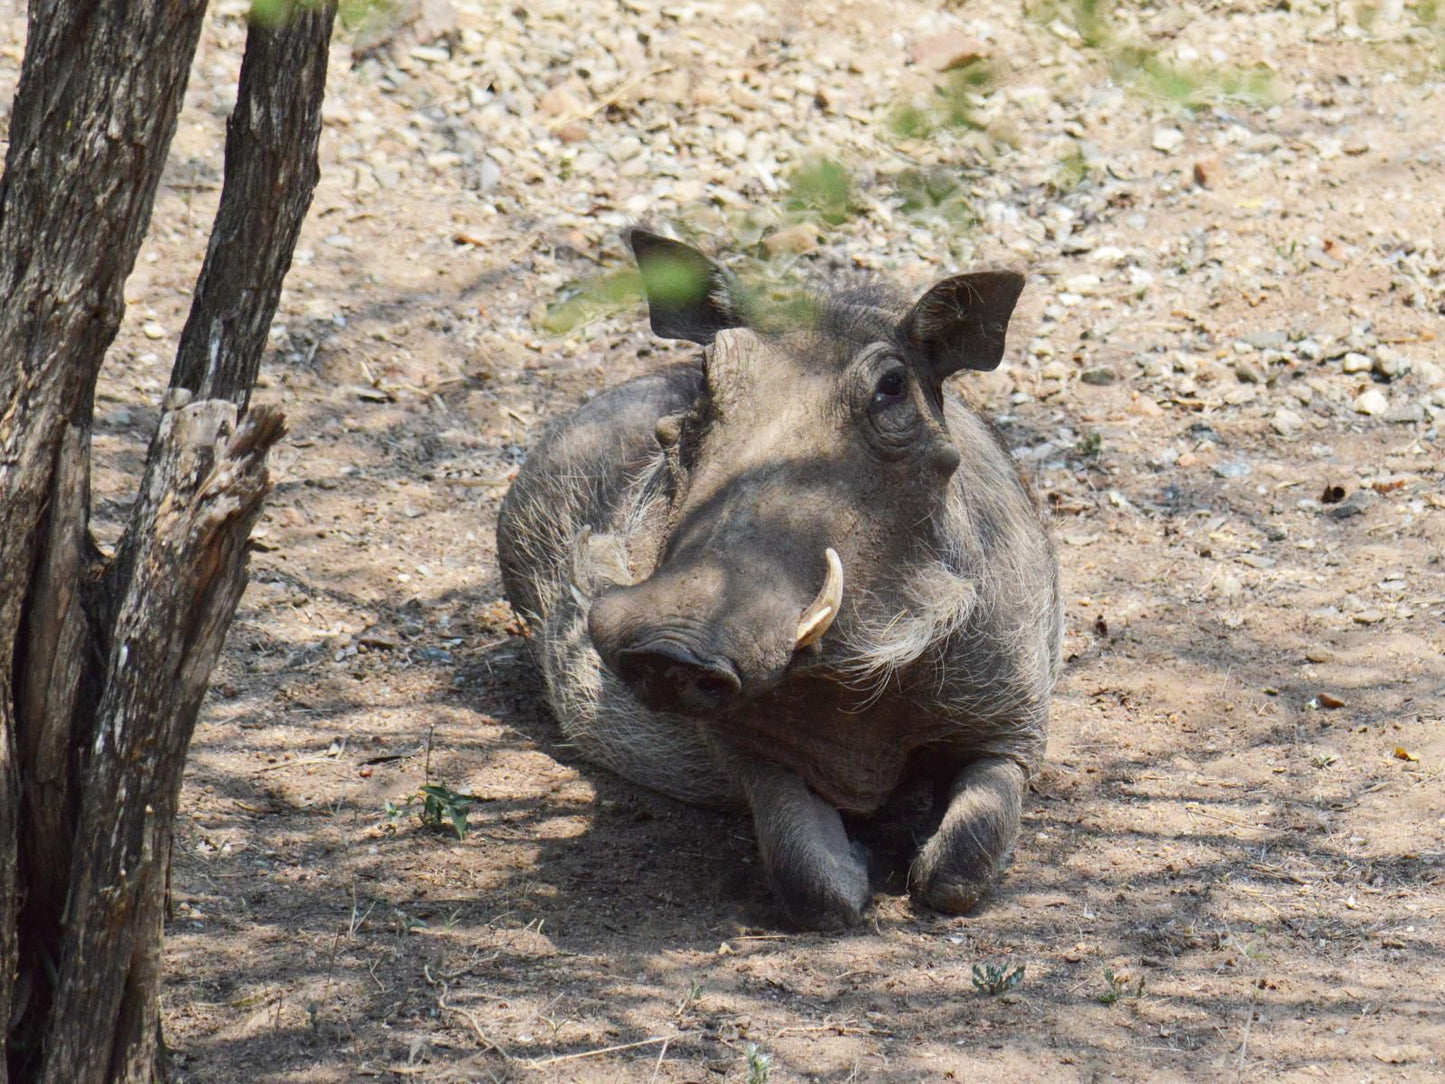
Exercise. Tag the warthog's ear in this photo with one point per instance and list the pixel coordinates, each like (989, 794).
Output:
(688, 296)
(960, 323)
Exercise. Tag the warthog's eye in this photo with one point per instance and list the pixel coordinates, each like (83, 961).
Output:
(891, 387)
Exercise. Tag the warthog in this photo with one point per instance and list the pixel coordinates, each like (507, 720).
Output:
(795, 574)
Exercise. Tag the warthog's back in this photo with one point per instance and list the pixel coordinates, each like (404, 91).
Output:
(557, 543)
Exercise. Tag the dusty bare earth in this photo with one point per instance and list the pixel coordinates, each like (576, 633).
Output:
(1232, 341)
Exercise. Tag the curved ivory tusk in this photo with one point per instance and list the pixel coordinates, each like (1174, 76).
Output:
(819, 615)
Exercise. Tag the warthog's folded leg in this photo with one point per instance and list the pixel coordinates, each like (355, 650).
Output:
(975, 839)
(819, 876)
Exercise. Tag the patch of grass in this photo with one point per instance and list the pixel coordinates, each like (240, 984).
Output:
(583, 302)
(994, 979)
(1192, 86)
(1089, 446)
(1070, 171)
(953, 104)
(934, 193)
(1141, 66)
(822, 189)
(1116, 989)
(910, 121)
(357, 15)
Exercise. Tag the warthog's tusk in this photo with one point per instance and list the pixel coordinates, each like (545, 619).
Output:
(819, 615)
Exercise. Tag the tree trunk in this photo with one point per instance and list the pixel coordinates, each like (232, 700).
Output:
(104, 662)
(270, 173)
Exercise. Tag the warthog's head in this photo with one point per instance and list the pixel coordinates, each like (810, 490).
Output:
(805, 476)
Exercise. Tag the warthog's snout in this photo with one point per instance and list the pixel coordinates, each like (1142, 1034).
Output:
(669, 676)
(702, 636)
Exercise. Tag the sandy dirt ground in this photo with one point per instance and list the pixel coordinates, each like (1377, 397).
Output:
(1225, 381)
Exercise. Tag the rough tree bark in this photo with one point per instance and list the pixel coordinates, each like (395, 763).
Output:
(104, 660)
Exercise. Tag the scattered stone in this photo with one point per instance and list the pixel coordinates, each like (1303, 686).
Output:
(794, 240)
(1241, 395)
(1099, 375)
(1368, 617)
(152, 330)
(1329, 700)
(1286, 422)
(1372, 401)
(1320, 654)
(1267, 340)
(1208, 172)
(1357, 363)
(1429, 373)
(1353, 505)
(1388, 364)
(558, 102)
(1232, 468)
(1168, 140)
(1247, 372)
(947, 52)
(1405, 413)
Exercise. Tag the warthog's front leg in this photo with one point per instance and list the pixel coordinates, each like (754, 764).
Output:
(819, 875)
(976, 837)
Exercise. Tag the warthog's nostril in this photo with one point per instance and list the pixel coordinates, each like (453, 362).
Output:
(670, 677)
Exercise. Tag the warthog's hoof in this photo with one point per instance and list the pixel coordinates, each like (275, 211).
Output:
(949, 894)
(828, 895)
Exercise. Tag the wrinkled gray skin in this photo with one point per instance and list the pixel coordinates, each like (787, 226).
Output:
(663, 541)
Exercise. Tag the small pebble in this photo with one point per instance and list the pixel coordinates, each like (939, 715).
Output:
(1353, 505)
(1372, 401)
(1405, 413)
(1286, 422)
(1168, 140)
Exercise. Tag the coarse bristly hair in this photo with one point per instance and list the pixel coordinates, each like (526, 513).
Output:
(597, 713)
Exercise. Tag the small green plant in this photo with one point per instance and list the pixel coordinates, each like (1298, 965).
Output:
(760, 1065)
(954, 103)
(994, 979)
(353, 13)
(1141, 67)
(690, 999)
(1115, 988)
(1071, 171)
(439, 804)
(910, 121)
(822, 189)
(934, 193)
(584, 302)
(1089, 445)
